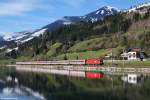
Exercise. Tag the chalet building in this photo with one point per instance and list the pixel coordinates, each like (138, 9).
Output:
(134, 54)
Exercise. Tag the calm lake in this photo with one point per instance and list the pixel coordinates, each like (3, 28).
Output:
(10, 90)
(18, 93)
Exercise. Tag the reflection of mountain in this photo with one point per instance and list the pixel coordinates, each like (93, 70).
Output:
(20, 93)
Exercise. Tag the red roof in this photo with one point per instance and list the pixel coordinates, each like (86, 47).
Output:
(136, 49)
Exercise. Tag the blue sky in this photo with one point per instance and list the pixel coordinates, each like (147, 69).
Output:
(20, 15)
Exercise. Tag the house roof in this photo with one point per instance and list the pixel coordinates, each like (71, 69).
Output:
(135, 50)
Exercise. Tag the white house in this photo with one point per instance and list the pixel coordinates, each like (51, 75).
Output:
(134, 54)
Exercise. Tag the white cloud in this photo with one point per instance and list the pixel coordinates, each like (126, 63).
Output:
(74, 3)
(17, 7)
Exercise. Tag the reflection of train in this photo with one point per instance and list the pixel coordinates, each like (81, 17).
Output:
(64, 62)
(96, 75)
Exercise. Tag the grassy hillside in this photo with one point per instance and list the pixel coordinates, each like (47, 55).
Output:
(52, 50)
(87, 45)
(84, 55)
(89, 54)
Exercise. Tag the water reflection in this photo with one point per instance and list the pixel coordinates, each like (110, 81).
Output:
(18, 93)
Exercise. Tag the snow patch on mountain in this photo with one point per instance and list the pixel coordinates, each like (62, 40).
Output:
(16, 36)
(9, 50)
(67, 23)
(94, 19)
(38, 33)
(102, 12)
(34, 34)
(28, 39)
(97, 12)
(25, 36)
(112, 8)
(3, 47)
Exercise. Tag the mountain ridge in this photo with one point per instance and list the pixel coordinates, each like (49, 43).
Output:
(100, 14)
(24, 36)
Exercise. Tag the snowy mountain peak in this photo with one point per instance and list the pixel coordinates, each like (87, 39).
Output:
(138, 7)
(107, 9)
(101, 13)
(110, 8)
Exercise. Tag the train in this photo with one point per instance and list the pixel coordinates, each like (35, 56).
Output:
(91, 61)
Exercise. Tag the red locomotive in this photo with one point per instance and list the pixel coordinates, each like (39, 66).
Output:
(94, 61)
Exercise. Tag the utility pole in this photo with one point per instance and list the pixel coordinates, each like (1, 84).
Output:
(111, 58)
(112, 65)
(112, 70)
(123, 67)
